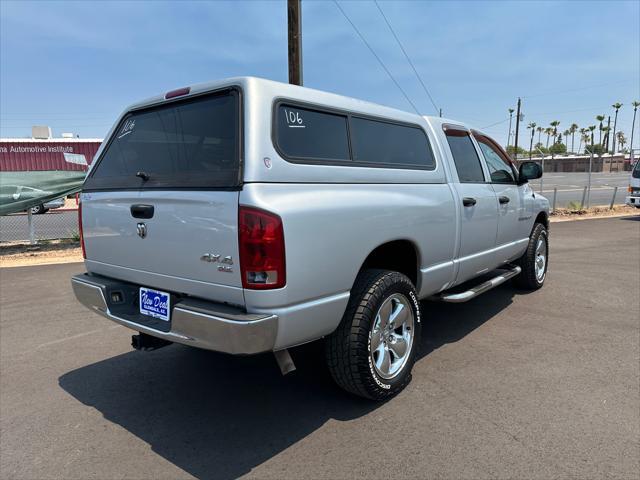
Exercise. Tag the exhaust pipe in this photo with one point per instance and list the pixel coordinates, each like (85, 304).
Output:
(146, 343)
(285, 362)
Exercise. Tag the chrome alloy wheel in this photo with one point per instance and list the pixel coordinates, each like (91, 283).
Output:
(392, 336)
(541, 257)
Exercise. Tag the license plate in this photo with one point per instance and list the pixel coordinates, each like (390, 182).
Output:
(155, 304)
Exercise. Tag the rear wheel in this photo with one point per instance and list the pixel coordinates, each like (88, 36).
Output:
(38, 209)
(535, 261)
(372, 352)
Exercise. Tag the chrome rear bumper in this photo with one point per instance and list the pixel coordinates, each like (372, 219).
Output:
(197, 323)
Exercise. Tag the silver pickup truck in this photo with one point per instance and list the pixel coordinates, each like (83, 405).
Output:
(248, 216)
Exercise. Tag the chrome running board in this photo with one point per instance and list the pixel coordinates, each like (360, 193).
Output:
(479, 289)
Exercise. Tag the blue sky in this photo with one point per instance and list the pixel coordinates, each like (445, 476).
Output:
(75, 65)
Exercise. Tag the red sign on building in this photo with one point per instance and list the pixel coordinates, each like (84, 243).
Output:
(20, 154)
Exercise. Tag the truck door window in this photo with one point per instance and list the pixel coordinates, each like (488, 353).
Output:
(499, 167)
(465, 156)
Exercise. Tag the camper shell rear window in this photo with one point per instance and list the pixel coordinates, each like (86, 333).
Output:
(192, 143)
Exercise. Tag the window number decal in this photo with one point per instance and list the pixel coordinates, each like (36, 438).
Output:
(294, 119)
(127, 128)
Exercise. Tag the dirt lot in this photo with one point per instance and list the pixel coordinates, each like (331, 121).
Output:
(510, 385)
(44, 253)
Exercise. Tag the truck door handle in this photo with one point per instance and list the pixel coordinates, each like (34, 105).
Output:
(504, 199)
(142, 211)
(468, 201)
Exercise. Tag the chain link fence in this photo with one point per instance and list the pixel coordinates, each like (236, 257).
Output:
(577, 182)
(24, 227)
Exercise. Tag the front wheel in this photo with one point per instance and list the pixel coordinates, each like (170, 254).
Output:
(535, 260)
(373, 350)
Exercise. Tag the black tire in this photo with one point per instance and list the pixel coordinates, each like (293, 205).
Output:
(528, 279)
(38, 210)
(348, 348)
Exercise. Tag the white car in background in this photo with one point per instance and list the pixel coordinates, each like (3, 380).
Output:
(633, 198)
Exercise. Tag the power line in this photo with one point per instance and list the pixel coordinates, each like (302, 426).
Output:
(376, 55)
(424, 87)
(497, 123)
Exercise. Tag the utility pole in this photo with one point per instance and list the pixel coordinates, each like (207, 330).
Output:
(515, 143)
(294, 23)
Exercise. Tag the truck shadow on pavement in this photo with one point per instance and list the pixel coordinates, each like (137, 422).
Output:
(218, 416)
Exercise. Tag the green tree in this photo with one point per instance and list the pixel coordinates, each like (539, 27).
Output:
(597, 149)
(600, 118)
(582, 131)
(554, 125)
(539, 130)
(548, 132)
(591, 129)
(616, 106)
(573, 129)
(541, 147)
(584, 137)
(557, 148)
(621, 140)
(532, 127)
(605, 132)
(511, 150)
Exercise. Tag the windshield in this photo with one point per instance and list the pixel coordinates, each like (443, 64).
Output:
(189, 144)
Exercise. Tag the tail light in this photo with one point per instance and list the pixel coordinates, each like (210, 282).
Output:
(629, 189)
(84, 254)
(261, 241)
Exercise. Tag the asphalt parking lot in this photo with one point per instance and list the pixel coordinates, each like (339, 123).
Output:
(510, 385)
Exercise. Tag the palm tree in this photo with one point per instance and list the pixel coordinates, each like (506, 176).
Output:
(539, 130)
(600, 118)
(583, 132)
(616, 106)
(548, 131)
(573, 129)
(585, 138)
(532, 127)
(621, 139)
(605, 130)
(566, 134)
(591, 129)
(635, 104)
(555, 124)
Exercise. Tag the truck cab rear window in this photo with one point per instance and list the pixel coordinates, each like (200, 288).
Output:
(189, 144)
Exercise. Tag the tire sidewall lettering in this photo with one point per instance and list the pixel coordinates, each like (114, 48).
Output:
(378, 380)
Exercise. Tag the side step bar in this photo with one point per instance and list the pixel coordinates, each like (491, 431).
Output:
(479, 289)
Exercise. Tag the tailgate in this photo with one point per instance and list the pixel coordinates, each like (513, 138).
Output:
(160, 205)
(192, 236)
